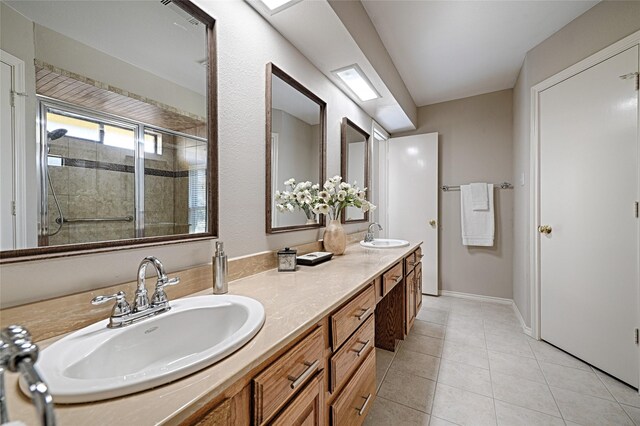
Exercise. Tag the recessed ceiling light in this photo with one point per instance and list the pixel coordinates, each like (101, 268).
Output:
(273, 6)
(357, 82)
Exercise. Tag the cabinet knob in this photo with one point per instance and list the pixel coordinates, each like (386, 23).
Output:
(545, 229)
(433, 222)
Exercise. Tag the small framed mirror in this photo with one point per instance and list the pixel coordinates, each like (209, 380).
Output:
(295, 151)
(354, 164)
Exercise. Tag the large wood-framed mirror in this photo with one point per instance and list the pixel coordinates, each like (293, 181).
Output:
(116, 126)
(295, 149)
(354, 164)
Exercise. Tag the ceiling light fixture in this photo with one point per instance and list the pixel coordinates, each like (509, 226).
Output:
(274, 6)
(355, 79)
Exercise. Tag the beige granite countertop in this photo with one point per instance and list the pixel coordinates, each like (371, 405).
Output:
(293, 302)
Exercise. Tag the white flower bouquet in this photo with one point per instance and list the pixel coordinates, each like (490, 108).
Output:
(300, 196)
(336, 195)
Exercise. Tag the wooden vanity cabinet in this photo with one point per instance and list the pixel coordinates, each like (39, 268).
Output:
(307, 408)
(413, 287)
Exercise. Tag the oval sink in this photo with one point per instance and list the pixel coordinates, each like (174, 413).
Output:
(97, 362)
(384, 243)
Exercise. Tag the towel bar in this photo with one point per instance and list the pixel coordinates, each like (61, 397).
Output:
(503, 185)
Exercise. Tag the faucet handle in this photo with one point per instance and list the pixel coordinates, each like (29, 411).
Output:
(120, 308)
(159, 296)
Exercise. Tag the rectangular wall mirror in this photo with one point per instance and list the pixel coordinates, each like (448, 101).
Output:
(115, 125)
(354, 165)
(295, 149)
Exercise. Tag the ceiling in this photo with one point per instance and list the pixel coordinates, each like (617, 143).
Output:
(166, 43)
(447, 50)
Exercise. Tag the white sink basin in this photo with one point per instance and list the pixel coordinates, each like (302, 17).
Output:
(384, 243)
(97, 363)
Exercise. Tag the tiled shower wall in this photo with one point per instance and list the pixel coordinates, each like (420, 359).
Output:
(97, 181)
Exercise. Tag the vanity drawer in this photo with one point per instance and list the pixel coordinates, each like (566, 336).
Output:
(409, 263)
(354, 402)
(287, 375)
(307, 408)
(418, 254)
(351, 354)
(348, 318)
(392, 277)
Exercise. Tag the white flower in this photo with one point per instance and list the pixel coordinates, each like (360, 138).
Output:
(280, 208)
(329, 186)
(361, 195)
(336, 179)
(342, 194)
(351, 191)
(322, 209)
(301, 197)
(372, 207)
(289, 207)
(307, 185)
(290, 182)
(324, 196)
(315, 186)
(345, 185)
(278, 196)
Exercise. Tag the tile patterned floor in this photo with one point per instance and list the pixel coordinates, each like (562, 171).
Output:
(468, 363)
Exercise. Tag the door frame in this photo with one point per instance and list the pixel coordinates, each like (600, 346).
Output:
(19, 146)
(534, 166)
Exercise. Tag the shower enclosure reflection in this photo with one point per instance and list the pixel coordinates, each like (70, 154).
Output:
(108, 178)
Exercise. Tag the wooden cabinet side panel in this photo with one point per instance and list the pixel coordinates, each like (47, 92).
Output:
(307, 408)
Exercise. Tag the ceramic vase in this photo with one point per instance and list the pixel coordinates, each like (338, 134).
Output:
(334, 239)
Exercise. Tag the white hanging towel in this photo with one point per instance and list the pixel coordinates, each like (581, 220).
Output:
(478, 226)
(480, 196)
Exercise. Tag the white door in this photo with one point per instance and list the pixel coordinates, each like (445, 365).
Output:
(589, 184)
(7, 219)
(413, 199)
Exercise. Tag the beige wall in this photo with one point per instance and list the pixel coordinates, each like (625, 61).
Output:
(246, 43)
(475, 145)
(599, 27)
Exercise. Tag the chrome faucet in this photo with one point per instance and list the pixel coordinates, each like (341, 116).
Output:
(18, 354)
(369, 237)
(123, 314)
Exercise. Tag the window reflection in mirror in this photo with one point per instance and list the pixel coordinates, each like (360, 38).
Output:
(295, 148)
(354, 164)
(115, 123)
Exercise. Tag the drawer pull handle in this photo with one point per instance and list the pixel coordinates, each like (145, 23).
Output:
(365, 345)
(364, 406)
(363, 314)
(311, 367)
(420, 256)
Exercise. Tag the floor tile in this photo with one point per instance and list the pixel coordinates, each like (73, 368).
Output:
(383, 361)
(494, 325)
(509, 343)
(441, 302)
(581, 381)
(435, 421)
(512, 415)
(524, 393)
(423, 344)
(623, 393)
(589, 410)
(465, 323)
(463, 407)
(408, 389)
(415, 363)
(547, 353)
(430, 329)
(436, 316)
(465, 336)
(633, 412)
(385, 412)
(464, 376)
(517, 366)
(467, 354)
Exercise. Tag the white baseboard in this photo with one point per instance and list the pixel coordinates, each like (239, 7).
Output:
(476, 297)
(479, 298)
(526, 330)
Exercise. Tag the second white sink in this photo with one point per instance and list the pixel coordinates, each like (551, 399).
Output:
(97, 362)
(384, 243)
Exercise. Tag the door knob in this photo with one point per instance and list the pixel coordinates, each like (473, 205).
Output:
(433, 222)
(544, 229)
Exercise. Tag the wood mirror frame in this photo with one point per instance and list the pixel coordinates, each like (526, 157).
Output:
(271, 71)
(344, 157)
(22, 255)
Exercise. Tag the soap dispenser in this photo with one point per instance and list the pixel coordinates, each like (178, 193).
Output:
(220, 285)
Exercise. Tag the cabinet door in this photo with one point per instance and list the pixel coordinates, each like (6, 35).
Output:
(410, 290)
(418, 272)
(305, 409)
